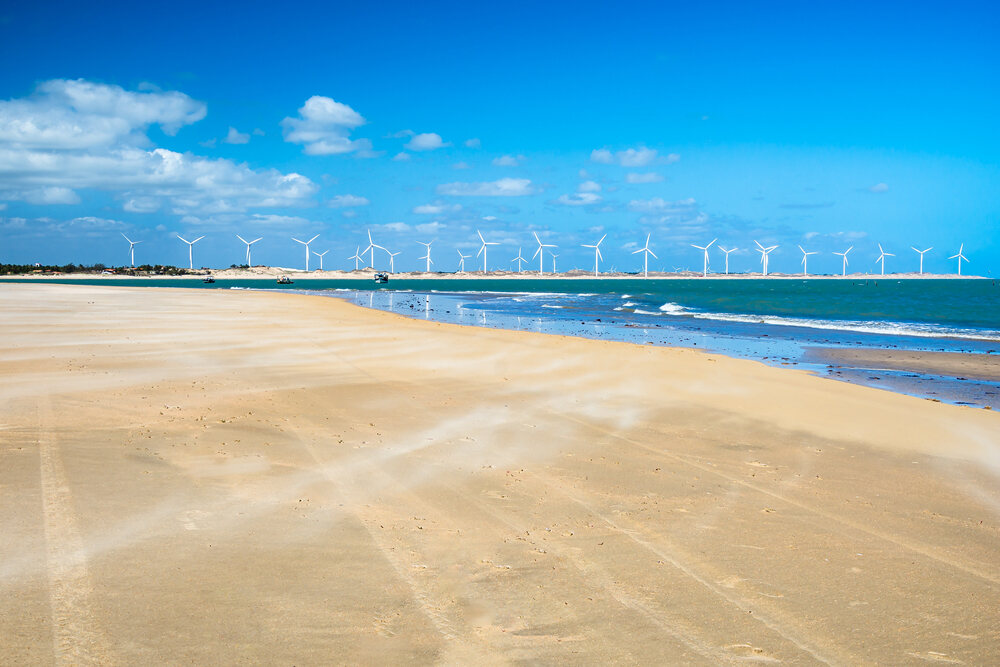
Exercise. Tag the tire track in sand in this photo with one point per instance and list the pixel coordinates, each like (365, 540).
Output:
(76, 637)
(943, 559)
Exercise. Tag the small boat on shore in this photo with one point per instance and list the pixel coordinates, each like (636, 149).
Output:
(284, 280)
(208, 279)
(381, 278)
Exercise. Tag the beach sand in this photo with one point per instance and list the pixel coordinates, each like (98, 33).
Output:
(220, 477)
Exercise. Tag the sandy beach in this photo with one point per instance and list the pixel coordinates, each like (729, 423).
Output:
(223, 477)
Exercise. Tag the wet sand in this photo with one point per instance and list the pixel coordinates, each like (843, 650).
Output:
(230, 477)
(950, 364)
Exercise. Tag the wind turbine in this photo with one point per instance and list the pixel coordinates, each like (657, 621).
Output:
(764, 252)
(320, 255)
(249, 243)
(881, 258)
(727, 256)
(131, 250)
(190, 245)
(704, 270)
(805, 260)
(428, 255)
(482, 250)
(597, 252)
(844, 255)
(461, 260)
(645, 263)
(356, 257)
(921, 253)
(392, 263)
(540, 253)
(553, 256)
(960, 257)
(371, 247)
(519, 260)
(306, 244)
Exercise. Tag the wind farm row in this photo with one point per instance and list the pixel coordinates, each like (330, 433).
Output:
(379, 257)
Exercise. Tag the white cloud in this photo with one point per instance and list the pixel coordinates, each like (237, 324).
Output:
(879, 187)
(89, 226)
(648, 177)
(142, 204)
(437, 208)
(508, 160)
(579, 199)
(589, 186)
(349, 213)
(236, 137)
(428, 141)
(401, 157)
(68, 137)
(257, 132)
(324, 126)
(659, 205)
(461, 165)
(347, 201)
(504, 187)
(473, 143)
(46, 195)
(602, 156)
(636, 157)
(430, 227)
(401, 134)
(394, 227)
(78, 114)
(631, 157)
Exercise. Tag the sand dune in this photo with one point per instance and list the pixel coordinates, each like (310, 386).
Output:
(227, 477)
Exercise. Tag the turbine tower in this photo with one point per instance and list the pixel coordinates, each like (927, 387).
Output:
(881, 257)
(520, 260)
(921, 253)
(764, 252)
(645, 261)
(461, 260)
(356, 257)
(482, 249)
(248, 243)
(190, 246)
(553, 256)
(704, 270)
(727, 256)
(597, 252)
(320, 255)
(960, 257)
(540, 253)
(844, 255)
(131, 250)
(306, 244)
(428, 255)
(805, 260)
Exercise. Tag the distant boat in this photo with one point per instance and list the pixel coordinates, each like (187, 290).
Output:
(208, 279)
(284, 280)
(381, 278)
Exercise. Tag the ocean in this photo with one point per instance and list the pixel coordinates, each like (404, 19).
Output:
(778, 321)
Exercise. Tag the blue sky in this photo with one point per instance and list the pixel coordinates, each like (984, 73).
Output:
(826, 126)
